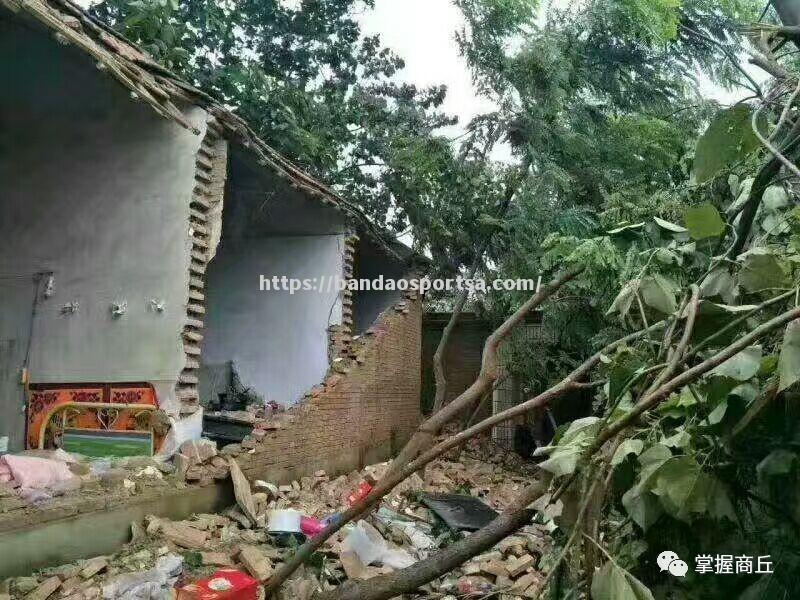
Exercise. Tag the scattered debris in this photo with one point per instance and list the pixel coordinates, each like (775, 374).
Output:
(460, 512)
(184, 535)
(256, 562)
(190, 554)
(43, 590)
(241, 488)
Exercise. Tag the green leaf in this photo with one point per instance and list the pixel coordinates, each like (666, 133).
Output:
(669, 226)
(676, 404)
(714, 496)
(681, 439)
(789, 359)
(642, 506)
(685, 490)
(676, 478)
(655, 454)
(651, 460)
(622, 303)
(741, 366)
(733, 184)
(659, 293)
(719, 283)
(741, 196)
(564, 456)
(762, 270)
(776, 463)
(626, 448)
(612, 582)
(625, 364)
(490, 223)
(774, 224)
(579, 430)
(775, 197)
(666, 256)
(622, 227)
(716, 389)
(715, 416)
(728, 139)
(704, 221)
(562, 461)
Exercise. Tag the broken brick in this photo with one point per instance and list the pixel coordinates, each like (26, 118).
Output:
(184, 535)
(93, 566)
(45, 589)
(256, 562)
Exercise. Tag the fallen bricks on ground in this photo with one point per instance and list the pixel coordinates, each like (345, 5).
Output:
(401, 530)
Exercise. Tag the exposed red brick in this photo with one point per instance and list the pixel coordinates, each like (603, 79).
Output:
(361, 416)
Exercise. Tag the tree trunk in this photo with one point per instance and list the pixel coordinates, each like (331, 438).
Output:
(439, 374)
(426, 433)
(788, 11)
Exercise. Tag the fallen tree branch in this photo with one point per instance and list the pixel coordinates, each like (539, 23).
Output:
(577, 527)
(769, 146)
(405, 580)
(677, 356)
(754, 410)
(439, 374)
(763, 179)
(692, 374)
(391, 479)
(741, 319)
(423, 438)
(396, 583)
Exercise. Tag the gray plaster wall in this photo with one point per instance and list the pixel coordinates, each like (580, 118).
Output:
(95, 188)
(371, 263)
(277, 341)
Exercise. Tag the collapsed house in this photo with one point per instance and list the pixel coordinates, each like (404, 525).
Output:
(139, 220)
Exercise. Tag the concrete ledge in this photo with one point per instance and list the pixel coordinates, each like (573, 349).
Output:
(66, 538)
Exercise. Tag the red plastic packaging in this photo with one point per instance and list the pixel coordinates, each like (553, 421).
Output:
(362, 491)
(310, 527)
(225, 584)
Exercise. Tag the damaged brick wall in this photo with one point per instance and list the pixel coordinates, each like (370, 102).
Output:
(361, 414)
(340, 335)
(462, 357)
(205, 225)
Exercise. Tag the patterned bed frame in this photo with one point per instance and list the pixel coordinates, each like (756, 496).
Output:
(103, 406)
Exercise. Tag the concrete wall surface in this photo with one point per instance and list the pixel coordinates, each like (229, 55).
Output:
(277, 341)
(94, 188)
(373, 263)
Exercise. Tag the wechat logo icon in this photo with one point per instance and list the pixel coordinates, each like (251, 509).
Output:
(669, 561)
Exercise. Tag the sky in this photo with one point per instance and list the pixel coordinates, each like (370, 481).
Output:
(422, 32)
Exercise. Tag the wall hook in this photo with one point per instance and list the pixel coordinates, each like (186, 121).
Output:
(49, 286)
(70, 308)
(119, 308)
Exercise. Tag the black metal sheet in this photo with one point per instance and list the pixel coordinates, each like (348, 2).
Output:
(460, 512)
(225, 430)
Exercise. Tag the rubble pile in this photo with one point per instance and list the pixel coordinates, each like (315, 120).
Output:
(38, 479)
(267, 522)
